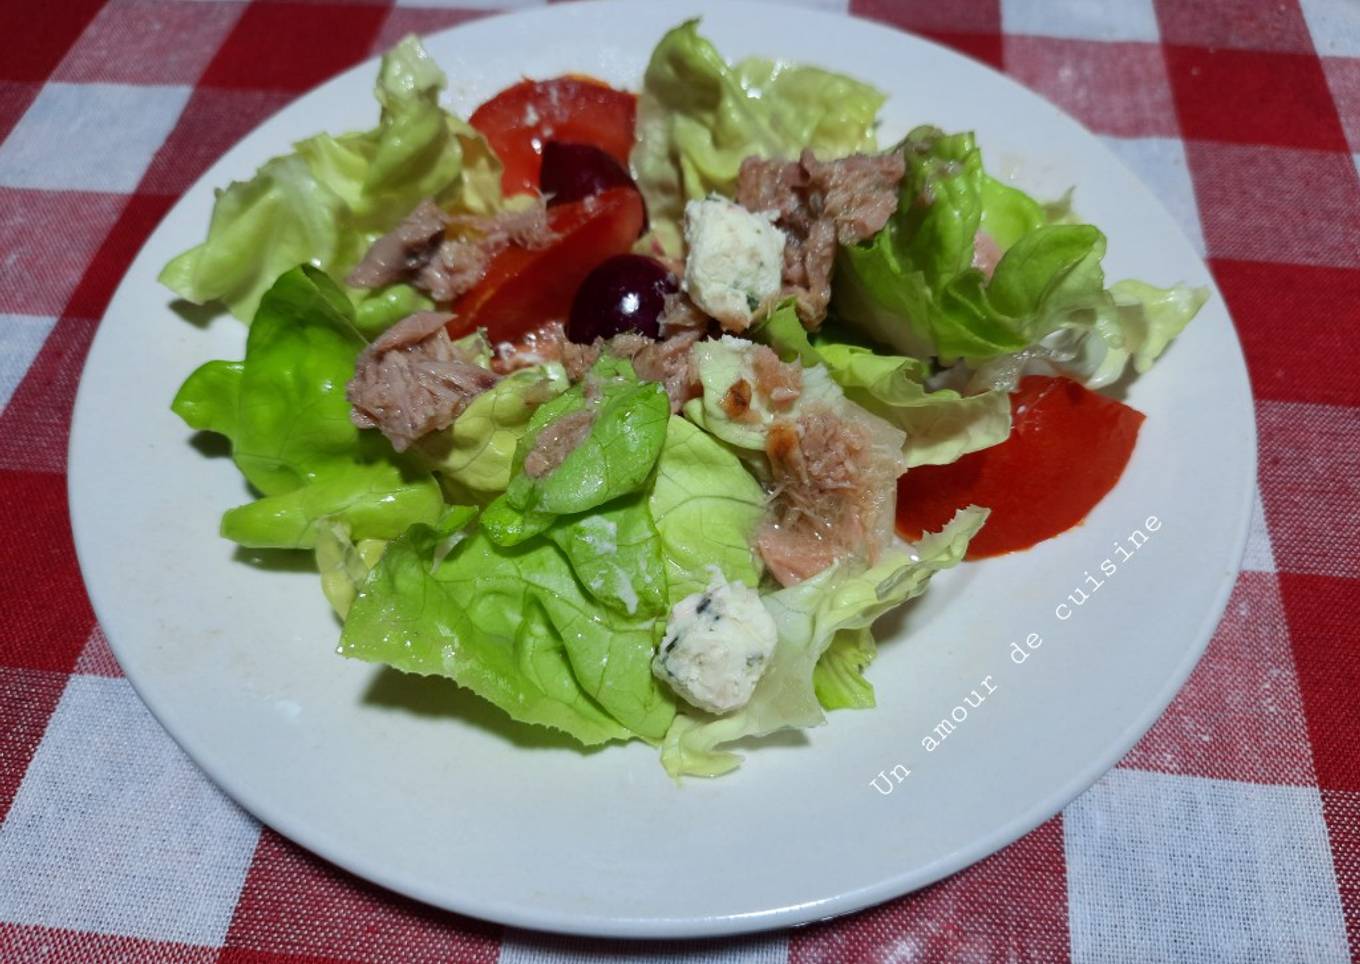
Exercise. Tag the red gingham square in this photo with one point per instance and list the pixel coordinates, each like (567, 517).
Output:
(1310, 485)
(1253, 97)
(213, 120)
(419, 21)
(1242, 696)
(41, 266)
(1319, 308)
(293, 47)
(972, 28)
(40, 562)
(1261, 203)
(1341, 810)
(1249, 24)
(966, 16)
(1323, 614)
(1112, 88)
(14, 100)
(138, 219)
(1343, 77)
(19, 942)
(27, 698)
(35, 425)
(39, 34)
(296, 904)
(1011, 906)
(149, 42)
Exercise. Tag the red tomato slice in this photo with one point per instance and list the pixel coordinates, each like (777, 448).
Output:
(524, 289)
(520, 119)
(1067, 448)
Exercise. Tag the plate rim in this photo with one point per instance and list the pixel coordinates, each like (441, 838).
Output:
(640, 927)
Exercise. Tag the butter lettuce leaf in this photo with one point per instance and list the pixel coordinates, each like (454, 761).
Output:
(343, 564)
(480, 616)
(845, 597)
(940, 425)
(326, 202)
(699, 116)
(615, 457)
(838, 678)
(914, 286)
(706, 507)
(616, 553)
(475, 455)
(284, 410)
(723, 362)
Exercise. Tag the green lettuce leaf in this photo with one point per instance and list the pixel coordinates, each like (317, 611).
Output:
(343, 564)
(723, 362)
(478, 617)
(845, 597)
(940, 425)
(613, 460)
(616, 553)
(838, 678)
(699, 116)
(284, 410)
(1008, 213)
(377, 310)
(475, 454)
(912, 286)
(1149, 318)
(706, 507)
(325, 204)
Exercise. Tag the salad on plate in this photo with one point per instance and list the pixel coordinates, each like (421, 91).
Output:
(631, 413)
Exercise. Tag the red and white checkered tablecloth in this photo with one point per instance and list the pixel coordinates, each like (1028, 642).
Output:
(1230, 833)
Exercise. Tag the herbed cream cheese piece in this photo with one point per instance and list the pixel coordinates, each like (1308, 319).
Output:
(717, 644)
(735, 259)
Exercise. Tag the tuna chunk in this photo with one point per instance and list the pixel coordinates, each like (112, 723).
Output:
(547, 343)
(446, 255)
(834, 492)
(666, 361)
(819, 205)
(400, 253)
(679, 313)
(557, 441)
(414, 380)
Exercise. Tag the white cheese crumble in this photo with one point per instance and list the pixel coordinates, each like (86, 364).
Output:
(717, 644)
(735, 259)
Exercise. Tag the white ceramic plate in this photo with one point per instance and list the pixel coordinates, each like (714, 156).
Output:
(425, 792)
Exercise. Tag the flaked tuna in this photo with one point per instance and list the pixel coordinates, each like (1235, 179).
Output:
(819, 205)
(413, 380)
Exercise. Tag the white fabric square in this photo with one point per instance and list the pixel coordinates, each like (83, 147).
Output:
(524, 947)
(89, 137)
(1259, 556)
(1335, 27)
(115, 831)
(1081, 19)
(21, 337)
(1177, 868)
(1160, 163)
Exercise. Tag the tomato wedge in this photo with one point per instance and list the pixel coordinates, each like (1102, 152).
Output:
(1067, 448)
(524, 288)
(519, 120)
